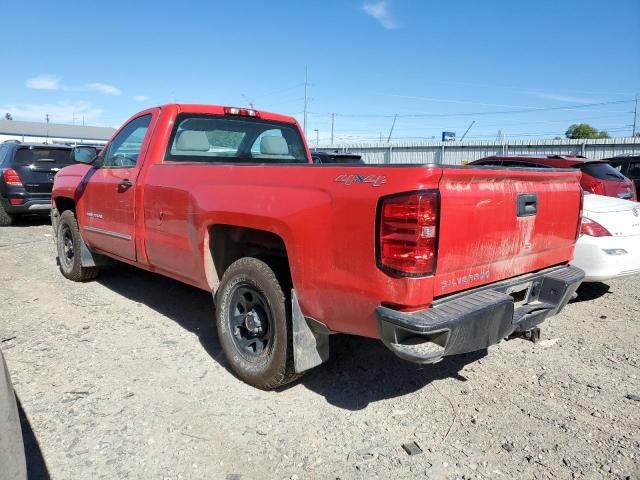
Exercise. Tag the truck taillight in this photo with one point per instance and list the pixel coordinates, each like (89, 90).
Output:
(407, 239)
(593, 228)
(241, 112)
(12, 178)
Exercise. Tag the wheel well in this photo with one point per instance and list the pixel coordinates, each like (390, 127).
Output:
(64, 203)
(229, 243)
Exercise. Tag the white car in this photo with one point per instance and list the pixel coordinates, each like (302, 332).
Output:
(609, 243)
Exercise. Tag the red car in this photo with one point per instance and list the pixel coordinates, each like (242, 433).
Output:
(597, 175)
(432, 260)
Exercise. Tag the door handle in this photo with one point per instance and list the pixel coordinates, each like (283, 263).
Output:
(124, 185)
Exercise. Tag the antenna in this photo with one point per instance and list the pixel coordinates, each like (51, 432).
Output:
(248, 100)
(467, 131)
(392, 125)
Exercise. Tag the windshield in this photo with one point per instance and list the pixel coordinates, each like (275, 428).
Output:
(602, 171)
(48, 156)
(199, 138)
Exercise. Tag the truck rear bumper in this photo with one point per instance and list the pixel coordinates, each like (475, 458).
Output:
(479, 318)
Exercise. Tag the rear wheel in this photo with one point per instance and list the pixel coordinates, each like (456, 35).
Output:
(5, 218)
(69, 244)
(254, 324)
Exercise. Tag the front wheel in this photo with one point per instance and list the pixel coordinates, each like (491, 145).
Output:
(254, 324)
(69, 244)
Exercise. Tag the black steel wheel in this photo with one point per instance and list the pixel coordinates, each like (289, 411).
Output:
(253, 317)
(67, 255)
(250, 321)
(69, 243)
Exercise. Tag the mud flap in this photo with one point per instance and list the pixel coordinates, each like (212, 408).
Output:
(86, 257)
(310, 347)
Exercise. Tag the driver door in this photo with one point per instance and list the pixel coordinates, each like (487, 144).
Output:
(108, 201)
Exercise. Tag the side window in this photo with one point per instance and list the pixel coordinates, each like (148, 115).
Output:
(617, 166)
(3, 153)
(634, 170)
(124, 150)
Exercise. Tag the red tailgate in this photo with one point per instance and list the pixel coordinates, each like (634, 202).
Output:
(483, 238)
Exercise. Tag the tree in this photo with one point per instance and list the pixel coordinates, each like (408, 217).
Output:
(7, 116)
(584, 130)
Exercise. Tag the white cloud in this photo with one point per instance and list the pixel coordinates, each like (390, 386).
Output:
(564, 98)
(103, 88)
(44, 82)
(140, 98)
(61, 112)
(380, 11)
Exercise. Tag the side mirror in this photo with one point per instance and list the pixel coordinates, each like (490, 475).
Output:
(97, 162)
(84, 154)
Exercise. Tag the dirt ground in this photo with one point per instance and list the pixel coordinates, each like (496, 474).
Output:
(124, 378)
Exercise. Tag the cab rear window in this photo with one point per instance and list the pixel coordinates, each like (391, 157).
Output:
(58, 157)
(602, 171)
(201, 138)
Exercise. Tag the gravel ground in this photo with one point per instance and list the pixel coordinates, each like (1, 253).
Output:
(124, 378)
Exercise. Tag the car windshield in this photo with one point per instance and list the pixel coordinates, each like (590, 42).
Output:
(199, 138)
(602, 171)
(58, 157)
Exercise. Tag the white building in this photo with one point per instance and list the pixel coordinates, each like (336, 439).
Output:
(53, 132)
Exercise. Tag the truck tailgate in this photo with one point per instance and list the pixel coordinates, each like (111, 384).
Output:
(496, 224)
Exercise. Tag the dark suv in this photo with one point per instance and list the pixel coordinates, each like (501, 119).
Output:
(627, 165)
(26, 177)
(335, 157)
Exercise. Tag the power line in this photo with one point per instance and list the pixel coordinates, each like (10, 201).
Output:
(461, 114)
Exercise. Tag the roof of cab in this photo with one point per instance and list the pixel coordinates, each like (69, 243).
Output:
(219, 110)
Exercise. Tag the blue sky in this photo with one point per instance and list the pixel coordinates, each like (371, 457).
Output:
(438, 65)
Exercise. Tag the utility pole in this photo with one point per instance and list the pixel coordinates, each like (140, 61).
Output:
(392, 125)
(317, 135)
(46, 117)
(333, 119)
(304, 121)
(635, 116)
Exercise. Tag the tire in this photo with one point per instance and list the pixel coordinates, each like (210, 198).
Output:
(253, 318)
(69, 243)
(5, 218)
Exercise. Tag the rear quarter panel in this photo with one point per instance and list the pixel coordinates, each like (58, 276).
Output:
(328, 228)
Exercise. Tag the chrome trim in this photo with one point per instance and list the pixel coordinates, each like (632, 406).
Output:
(40, 206)
(109, 233)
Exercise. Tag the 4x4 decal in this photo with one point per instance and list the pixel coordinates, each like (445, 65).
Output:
(374, 180)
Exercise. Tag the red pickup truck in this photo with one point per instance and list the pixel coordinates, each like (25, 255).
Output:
(432, 260)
